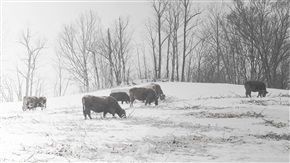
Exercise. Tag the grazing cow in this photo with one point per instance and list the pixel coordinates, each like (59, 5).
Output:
(157, 89)
(121, 96)
(105, 104)
(255, 86)
(142, 94)
(41, 102)
(32, 102)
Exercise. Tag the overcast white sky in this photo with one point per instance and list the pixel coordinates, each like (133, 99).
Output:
(46, 18)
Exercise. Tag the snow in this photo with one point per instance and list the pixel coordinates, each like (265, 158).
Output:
(196, 122)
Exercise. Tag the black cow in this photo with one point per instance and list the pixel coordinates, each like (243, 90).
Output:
(32, 102)
(255, 86)
(105, 104)
(121, 96)
(142, 94)
(157, 89)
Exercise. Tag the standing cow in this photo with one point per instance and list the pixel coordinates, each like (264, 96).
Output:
(157, 89)
(255, 86)
(121, 96)
(142, 94)
(105, 104)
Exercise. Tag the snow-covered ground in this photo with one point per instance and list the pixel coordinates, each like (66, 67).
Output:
(196, 122)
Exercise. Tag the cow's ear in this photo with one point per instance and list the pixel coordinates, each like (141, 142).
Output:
(267, 92)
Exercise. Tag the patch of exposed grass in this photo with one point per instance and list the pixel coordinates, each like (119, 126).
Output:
(11, 117)
(255, 102)
(198, 107)
(284, 95)
(206, 114)
(191, 145)
(193, 107)
(156, 122)
(275, 136)
(274, 124)
(234, 95)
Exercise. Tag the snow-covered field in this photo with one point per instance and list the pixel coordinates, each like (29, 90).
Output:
(196, 122)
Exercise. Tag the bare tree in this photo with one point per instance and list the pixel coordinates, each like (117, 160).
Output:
(159, 6)
(188, 15)
(268, 37)
(18, 85)
(152, 41)
(168, 31)
(7, 89)
(75, 41)
(123, 48)
(175, 13)
(33, 52)
(106, 50)
(62, 82)
(145, 63)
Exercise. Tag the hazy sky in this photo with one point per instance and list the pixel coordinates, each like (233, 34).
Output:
(46, 19)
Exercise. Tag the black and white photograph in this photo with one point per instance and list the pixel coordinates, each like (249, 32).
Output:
(145, 81)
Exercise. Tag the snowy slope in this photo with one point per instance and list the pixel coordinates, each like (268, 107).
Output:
(196, 122)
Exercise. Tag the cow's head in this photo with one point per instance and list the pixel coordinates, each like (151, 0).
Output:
(156, 101)
(122, 113)
(162, 96)
(264, 92)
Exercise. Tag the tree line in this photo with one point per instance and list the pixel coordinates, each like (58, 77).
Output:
(224, 43)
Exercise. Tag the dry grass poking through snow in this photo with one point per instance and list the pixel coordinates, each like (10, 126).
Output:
(207, 114)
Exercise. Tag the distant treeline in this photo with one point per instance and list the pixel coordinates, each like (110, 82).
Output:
(225, 43)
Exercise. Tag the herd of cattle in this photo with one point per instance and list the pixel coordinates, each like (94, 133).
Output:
(109, 104)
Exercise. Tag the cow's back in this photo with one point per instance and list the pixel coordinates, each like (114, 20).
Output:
(120, 96)
(138, 93)
(255, 86)
(95, 103)
(156, 88)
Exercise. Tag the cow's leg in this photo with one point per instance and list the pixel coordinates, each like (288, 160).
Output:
(89, 114)
(113, 113)
(131, 102)
(248, 94)
(260, 94)
(104, 114)
(85, 114)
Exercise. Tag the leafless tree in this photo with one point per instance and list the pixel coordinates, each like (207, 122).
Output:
(123, 46)
(152, 41)
(18, 85)
(7, 89)
(159, 7)
(33, 49)
(75, 41)
(175, 13)
(61, 82)
(106, 50)
(188, 16)
(268, 37)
